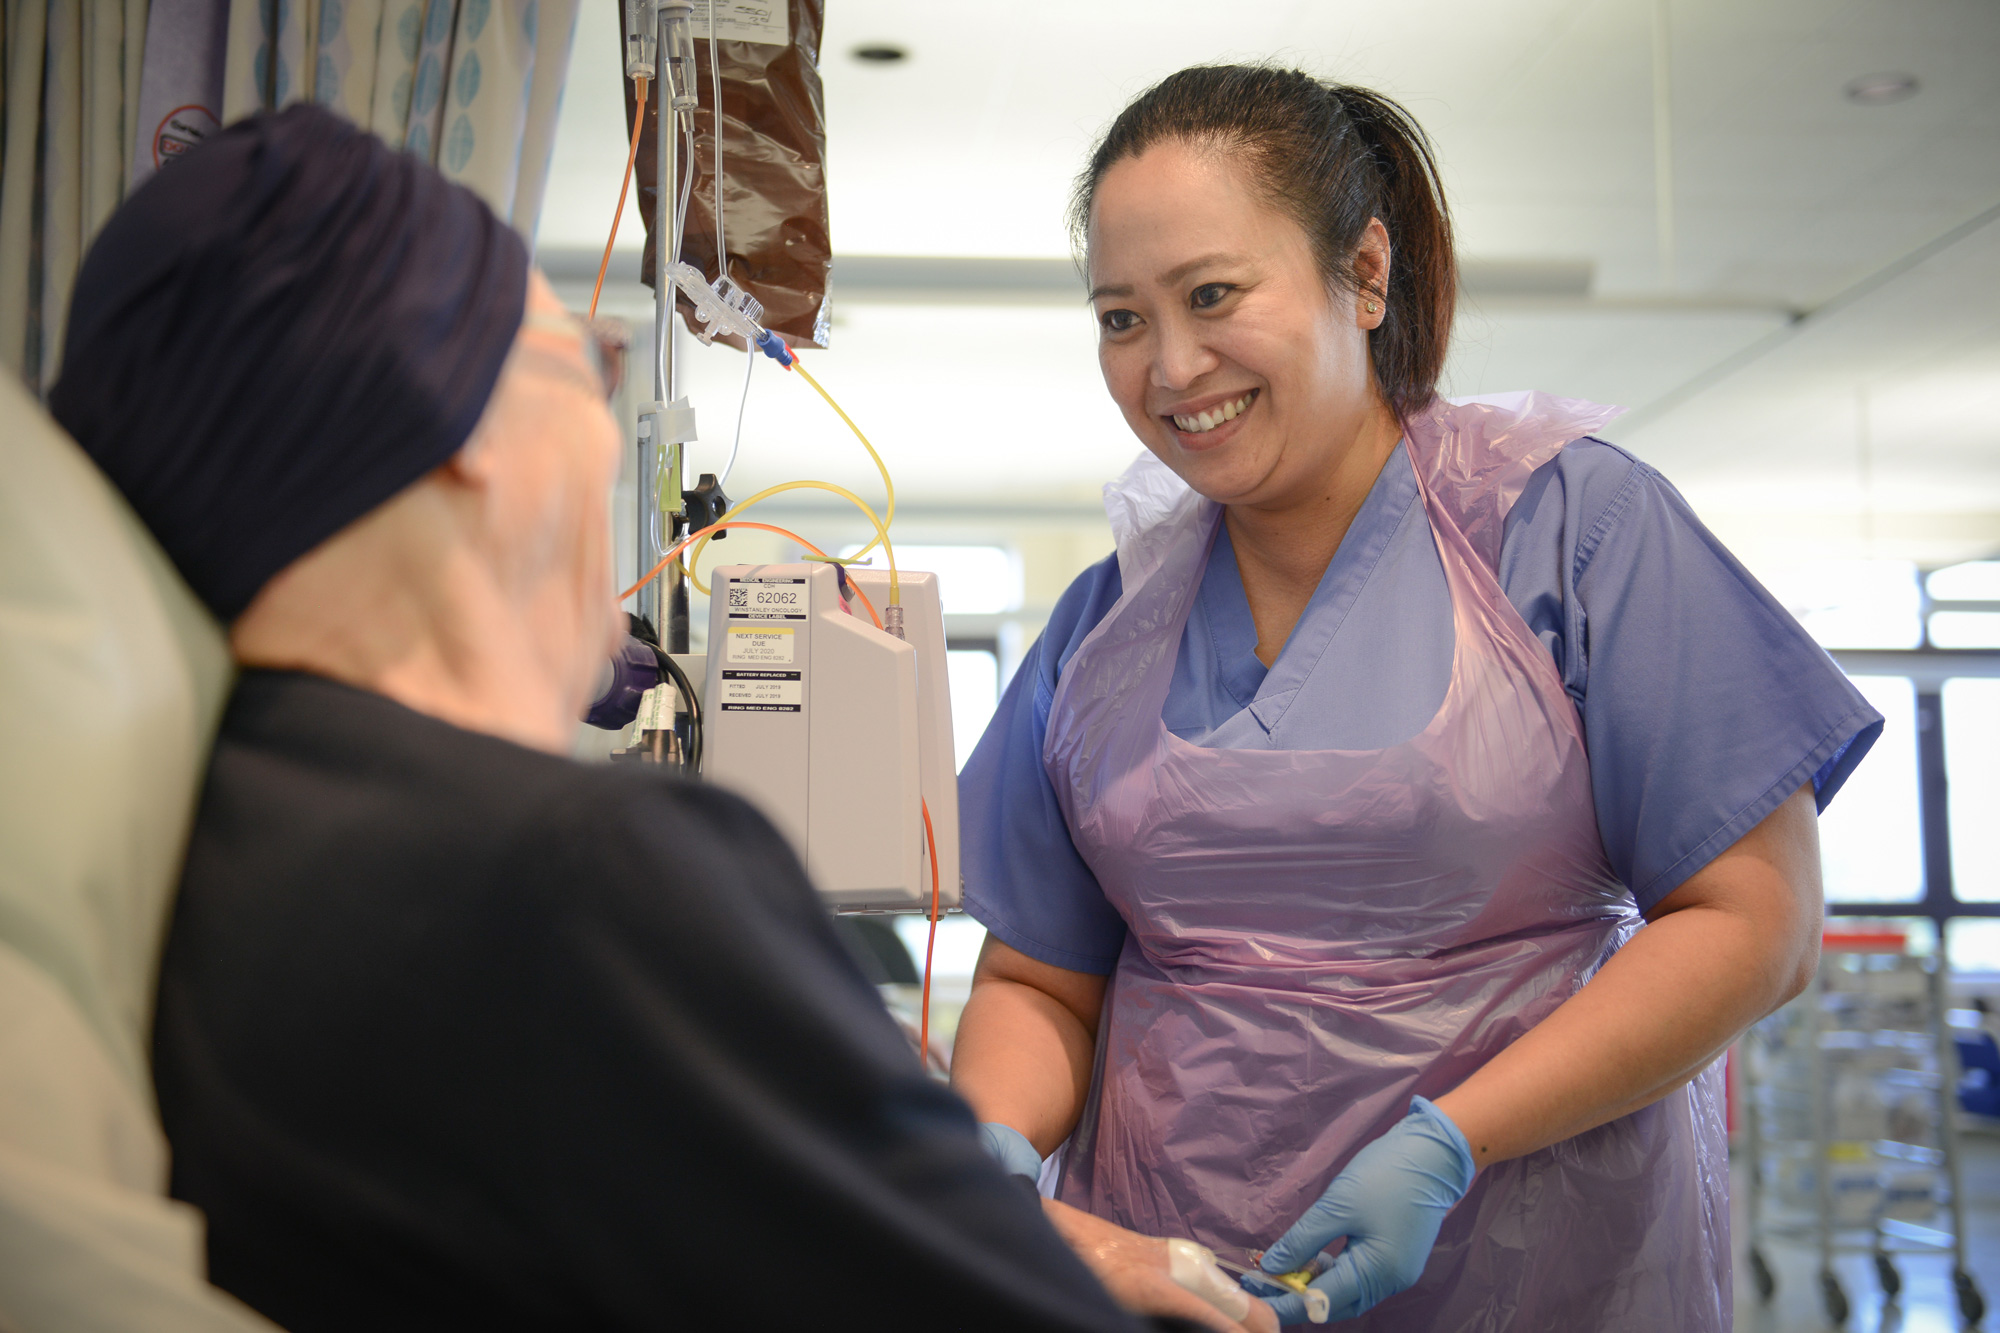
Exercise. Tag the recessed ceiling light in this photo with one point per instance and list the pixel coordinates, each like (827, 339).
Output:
(881, 53)
(1882, 89)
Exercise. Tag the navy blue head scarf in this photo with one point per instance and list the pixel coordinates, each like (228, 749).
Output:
(278, 333)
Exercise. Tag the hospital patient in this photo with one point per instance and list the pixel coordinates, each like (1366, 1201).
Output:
(454, 1031)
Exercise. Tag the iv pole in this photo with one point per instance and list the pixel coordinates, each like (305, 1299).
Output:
(658, 47)
(665, 425)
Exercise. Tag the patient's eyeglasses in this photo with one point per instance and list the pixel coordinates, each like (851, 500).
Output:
(605, 343)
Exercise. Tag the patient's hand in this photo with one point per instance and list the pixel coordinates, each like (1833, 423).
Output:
(1133, 1268)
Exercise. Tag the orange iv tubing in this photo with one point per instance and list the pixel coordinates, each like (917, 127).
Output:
(624, 188)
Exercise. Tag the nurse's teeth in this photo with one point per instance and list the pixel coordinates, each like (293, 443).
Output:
(1215, 416)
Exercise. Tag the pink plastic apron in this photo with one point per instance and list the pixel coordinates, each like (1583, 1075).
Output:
(1314, 935)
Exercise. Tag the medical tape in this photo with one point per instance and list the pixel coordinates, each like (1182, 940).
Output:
(1193, 1268)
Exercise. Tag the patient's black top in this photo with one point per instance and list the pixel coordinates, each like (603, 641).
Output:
(454, 1033)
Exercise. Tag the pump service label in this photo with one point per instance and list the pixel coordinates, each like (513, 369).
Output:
(762, 692)
(762, 645)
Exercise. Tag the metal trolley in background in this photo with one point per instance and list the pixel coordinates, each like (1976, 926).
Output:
(1848, 1105)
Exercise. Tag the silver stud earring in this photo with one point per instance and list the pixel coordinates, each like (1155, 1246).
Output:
(1374, 308)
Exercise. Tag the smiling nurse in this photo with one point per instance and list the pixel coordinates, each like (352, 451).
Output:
(1387, 840)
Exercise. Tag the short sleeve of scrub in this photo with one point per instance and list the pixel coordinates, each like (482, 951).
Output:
(1705, 703)
(1024, 880)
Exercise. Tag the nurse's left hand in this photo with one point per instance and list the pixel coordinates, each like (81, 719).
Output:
(1389, 1204)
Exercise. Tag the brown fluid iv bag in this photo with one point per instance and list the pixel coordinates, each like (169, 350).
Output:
(773, 164)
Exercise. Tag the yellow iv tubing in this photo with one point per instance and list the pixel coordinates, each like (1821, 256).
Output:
(880, 524)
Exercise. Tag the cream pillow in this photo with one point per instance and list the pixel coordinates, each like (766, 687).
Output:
(111, 679)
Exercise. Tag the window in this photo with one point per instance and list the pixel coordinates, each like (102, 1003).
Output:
(1924, 801)
(1971, 710)
(974, 671)
(972, 580)
(1965, 629)
(1974, 581)
(1973, 945)
(1965, 626)
(1871, 837)
(1853, 603)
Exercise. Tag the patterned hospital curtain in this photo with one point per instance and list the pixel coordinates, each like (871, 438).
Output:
(96, 95)
(493, 142)
(69, 95)
(297, 21)
(344, 59)
(555, 34)
(247, 78)
(272, 55)
(485, 81)
(427, 94)
(62, 173)
(396, 67)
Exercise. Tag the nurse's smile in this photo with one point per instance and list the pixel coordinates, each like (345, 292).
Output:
(1209, 421)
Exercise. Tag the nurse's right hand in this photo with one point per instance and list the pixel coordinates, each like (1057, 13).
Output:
(1388, 1203)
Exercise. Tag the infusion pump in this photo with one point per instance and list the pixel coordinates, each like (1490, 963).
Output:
(839, 732)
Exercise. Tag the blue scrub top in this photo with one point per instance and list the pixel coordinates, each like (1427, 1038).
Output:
(1704, 703)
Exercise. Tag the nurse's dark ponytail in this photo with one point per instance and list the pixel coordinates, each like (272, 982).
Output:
(1333, 156)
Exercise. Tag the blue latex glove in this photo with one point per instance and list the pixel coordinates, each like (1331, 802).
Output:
(1010, 1147)
(1388, 1203)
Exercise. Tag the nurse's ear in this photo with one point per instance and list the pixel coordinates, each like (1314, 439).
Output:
(1371, 276)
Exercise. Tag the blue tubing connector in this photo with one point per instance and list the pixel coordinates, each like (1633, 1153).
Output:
(771, 345)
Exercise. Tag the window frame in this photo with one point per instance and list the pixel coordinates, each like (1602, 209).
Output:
(1927, 669)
